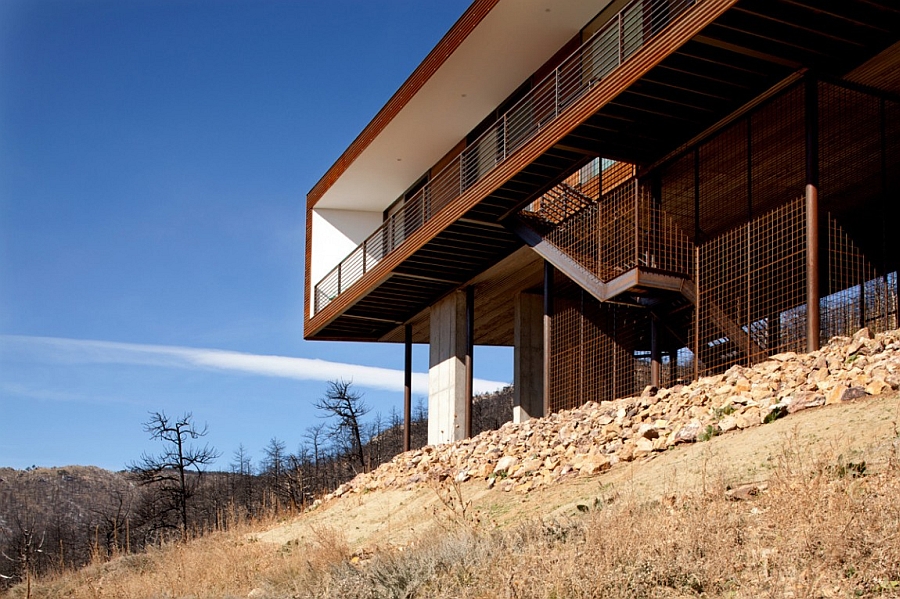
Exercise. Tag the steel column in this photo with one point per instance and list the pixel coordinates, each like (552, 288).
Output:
(698, 293)
(654, 351)
(407, 386)
(548, 317)
(812, 214)
(470, 348)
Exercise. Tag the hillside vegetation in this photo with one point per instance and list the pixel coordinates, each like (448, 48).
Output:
(800, 501)
(55, 519)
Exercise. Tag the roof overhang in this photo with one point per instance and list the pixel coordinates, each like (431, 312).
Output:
(490, 51)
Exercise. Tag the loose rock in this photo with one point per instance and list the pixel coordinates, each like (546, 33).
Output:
(594, 437)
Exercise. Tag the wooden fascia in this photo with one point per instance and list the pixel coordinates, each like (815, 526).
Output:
(428, 67)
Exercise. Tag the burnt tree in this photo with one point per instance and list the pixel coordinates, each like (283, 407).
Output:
(176, 471)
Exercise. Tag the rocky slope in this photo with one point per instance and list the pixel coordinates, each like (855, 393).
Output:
(595, 437)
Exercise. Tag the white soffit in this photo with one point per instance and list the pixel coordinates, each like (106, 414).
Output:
(514, 40)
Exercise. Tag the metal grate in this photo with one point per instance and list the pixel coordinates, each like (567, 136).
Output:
(859, 161)
(601, 351)
(621, 230)
(592, 357)
(858, 295)
(753, 165)
(751, 290)
(738, 195)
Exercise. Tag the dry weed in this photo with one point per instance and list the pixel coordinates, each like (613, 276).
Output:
(827, 526)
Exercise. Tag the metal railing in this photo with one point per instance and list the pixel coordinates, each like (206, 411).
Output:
(623, 229)
(625, 33)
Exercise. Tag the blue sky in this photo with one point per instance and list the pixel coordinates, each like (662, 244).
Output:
(154, 161)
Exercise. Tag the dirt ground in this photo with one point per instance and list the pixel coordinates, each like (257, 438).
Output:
(865, 430)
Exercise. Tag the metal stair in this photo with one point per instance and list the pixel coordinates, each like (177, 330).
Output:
(621, 247)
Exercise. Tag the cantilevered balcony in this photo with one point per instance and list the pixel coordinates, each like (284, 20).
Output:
(658, 76)
(617, 40)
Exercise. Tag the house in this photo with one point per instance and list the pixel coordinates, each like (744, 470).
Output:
(630, 193)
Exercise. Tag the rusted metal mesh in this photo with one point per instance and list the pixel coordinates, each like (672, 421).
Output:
(858, 295)
(751, 290)
(592, 356)
(614, 232)
(859, 160)
(738, 197)
(752, 166)
(601, 351)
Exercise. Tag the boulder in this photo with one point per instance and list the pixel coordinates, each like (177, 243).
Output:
(505, 464)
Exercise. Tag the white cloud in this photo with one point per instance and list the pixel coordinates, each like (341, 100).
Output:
(55, 349)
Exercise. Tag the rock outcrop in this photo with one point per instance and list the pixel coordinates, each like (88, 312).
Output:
(596, 436)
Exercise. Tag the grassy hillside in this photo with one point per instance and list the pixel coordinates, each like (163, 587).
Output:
(806, 507)
(57, 519)
(802, 506)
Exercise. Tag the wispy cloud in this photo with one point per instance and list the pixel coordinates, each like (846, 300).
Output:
(75, 351)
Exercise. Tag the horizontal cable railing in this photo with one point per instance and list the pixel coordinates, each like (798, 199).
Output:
(625, 33)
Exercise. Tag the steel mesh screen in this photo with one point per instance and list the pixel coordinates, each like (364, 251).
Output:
(723, 181)
(850, 153)
(752, 290)
(753, 165)
(678, 193)
(777, 152)
(622, 230)
(593, 343)
(858, 161)
(739, 195)
(858, 295)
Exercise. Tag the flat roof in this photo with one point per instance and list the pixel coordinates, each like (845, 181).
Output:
(487, 54)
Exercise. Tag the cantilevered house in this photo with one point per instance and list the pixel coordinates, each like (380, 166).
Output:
(628, 192)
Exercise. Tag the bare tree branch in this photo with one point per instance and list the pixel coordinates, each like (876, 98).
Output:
(348, 406)
(168, 470)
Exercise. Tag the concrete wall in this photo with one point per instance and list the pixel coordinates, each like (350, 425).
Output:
(336, 233)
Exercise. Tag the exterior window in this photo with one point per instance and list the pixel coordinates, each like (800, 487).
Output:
(404, 216)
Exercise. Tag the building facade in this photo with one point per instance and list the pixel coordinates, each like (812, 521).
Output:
(628, 193)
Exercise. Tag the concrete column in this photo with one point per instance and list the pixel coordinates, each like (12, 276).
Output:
(447, 370)
(528, 358)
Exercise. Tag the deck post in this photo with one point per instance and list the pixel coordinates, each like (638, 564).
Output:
(548, 317)
(407, 387)
(447, 370)
(654, 351)
(470, 350)
(812, 214)
(698, 290)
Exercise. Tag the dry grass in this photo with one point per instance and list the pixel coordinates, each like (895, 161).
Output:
(828, 529)
(827, 526)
